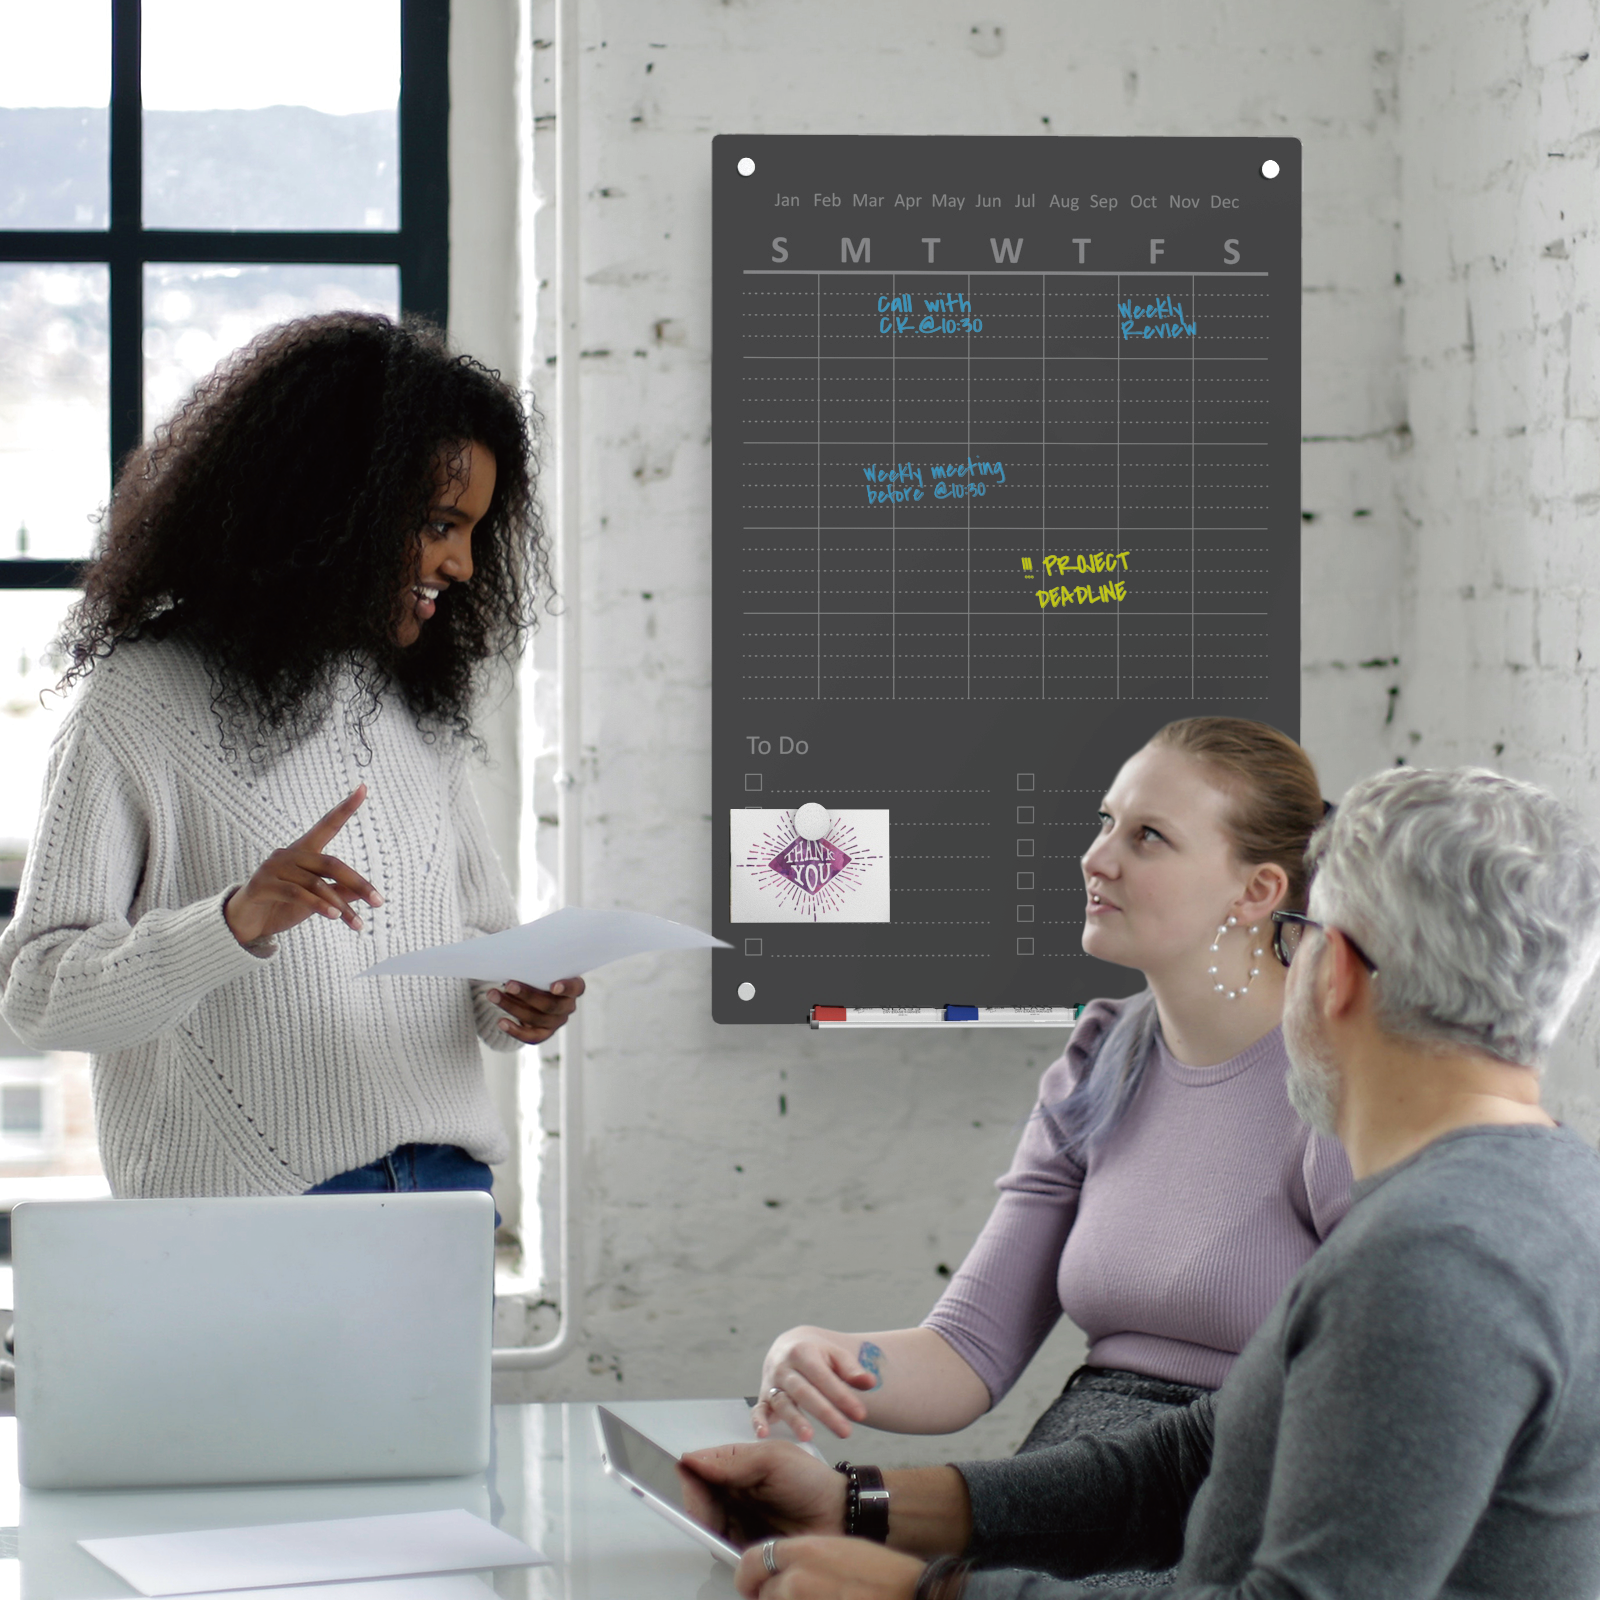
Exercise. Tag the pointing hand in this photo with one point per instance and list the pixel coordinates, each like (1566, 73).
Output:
(300, 881)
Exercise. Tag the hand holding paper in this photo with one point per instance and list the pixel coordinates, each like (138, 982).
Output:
(532, 1015)
(568, 941)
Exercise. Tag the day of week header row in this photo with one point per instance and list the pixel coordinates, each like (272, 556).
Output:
(828, 200)
(1007, 252)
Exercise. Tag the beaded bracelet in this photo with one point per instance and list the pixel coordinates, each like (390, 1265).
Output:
(866, 1503)
(943, 1579)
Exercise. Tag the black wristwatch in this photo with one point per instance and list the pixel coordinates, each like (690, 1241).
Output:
(866, 1503)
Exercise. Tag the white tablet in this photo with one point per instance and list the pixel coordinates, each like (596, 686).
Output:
(653, 1473)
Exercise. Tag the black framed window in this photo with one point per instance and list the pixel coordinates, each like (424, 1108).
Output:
(215, 219)
(176, 175)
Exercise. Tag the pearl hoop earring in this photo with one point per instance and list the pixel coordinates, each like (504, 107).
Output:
(1213, 972)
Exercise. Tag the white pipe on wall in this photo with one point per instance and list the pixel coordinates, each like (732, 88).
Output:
(568, 1284)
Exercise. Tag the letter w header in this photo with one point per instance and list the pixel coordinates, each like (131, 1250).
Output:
(855, 252)
(1006, 250)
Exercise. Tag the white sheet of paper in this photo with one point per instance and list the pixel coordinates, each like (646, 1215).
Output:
(283, 1553)
(436, 1586)
(565, 944)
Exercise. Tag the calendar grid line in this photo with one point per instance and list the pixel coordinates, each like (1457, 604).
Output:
(1015, 272)
(1044, 384)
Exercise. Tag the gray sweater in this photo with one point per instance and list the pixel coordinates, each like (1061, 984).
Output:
(1419, 1416)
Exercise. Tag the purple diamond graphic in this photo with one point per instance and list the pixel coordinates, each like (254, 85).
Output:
(810, 864)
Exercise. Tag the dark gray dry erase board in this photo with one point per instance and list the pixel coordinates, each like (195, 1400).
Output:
(1006, 437)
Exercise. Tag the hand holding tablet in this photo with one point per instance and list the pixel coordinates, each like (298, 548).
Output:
(671, 1490)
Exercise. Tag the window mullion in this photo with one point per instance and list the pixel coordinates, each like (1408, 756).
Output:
(38, 244)
(424, 160)
(127, 208)
(270, 248)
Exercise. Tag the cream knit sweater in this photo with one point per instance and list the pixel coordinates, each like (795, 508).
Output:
(220, 1070)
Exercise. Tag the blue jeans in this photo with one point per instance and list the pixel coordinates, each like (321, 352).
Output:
(413, 1167)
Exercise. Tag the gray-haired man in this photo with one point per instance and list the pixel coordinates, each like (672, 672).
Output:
(1420, 1415)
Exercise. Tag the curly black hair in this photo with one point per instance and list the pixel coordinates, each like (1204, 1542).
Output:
(276, 519)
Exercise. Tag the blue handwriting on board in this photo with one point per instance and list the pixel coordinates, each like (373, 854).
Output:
(952, 480)
(1162, 319)
(945, 313)
(893, 485)
(963, 480)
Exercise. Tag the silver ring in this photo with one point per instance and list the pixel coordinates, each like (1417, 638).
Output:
(773, 1393)
(769, 1557)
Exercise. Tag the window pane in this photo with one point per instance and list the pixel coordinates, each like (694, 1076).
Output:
(196, 315)
(30, 713)
(54, 149)
(22, 1109)
(54, 407)
(280, 116)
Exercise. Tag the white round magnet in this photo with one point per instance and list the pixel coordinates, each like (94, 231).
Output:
(812, 821)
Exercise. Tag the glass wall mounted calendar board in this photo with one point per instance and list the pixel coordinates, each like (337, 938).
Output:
(1006, 475)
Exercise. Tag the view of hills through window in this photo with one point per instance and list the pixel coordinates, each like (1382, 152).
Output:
(307, 169)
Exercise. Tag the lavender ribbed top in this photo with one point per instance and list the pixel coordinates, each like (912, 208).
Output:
(1174, 1241)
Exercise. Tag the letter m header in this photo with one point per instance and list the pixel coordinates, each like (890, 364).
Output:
(1006, 249)
(855, 252)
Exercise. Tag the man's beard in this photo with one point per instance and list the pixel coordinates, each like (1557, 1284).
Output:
(1313, 1081)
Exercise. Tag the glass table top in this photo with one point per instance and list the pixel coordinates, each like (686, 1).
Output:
(545, 1484)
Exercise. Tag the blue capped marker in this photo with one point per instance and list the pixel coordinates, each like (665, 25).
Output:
(960, 1013)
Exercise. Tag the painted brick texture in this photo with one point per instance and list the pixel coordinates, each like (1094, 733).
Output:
(739, 1180)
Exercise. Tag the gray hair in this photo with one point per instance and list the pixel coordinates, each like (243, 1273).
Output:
(1478, 897)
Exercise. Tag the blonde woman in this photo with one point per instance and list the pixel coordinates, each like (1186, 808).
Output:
(1164, 1190)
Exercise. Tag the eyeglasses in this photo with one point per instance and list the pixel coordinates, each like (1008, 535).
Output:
(1288, 928)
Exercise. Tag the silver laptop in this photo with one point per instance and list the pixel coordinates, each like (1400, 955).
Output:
(275, 1340)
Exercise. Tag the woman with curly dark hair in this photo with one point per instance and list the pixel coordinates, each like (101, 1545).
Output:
(305, 575)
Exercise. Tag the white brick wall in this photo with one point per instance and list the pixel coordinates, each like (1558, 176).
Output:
(1499, 136)
(738, 1180)
(1451, 481)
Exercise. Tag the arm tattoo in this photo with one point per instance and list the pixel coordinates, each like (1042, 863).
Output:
(872, 1358)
